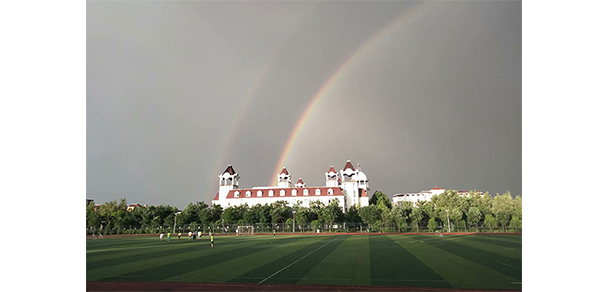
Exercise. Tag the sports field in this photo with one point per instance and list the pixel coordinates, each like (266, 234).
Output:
(451, 261)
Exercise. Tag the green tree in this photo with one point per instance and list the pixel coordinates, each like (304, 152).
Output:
(352, 214)
(474, 216)
(332, 212)
(301, 216)
(461, 225)
(262, 213)
(280, 212)
(249, 216)
(432, 225)
(399, 215)
(490, 222)
(315, 224)
(502, 208)
(456, 215)
(416, 217)
(315, 208)
(379, 198)
(215, 213)
(370, 214)
(515, 224)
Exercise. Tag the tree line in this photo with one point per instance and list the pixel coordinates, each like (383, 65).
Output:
(448, 209)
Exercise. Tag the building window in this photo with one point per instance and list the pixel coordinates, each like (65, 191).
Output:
(294, 192)
(282, 193)
(330, 192)
(317, 192)
(248, 194)
(305, 192)
(270, 193)
(236, 194)
(259, 193)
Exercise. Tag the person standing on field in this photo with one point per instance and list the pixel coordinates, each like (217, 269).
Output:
(168, 236)
(160, 237)
(212, 240)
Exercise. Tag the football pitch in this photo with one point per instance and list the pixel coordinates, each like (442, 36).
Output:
(390, 260)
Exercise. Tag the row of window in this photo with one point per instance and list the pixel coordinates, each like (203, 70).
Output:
(259, 193)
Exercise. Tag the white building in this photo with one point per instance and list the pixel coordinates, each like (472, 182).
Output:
(421, 196)
(349, 186)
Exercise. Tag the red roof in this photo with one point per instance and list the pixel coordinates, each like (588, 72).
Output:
(276, 192)
(230, 170)
(437, 188)
(363, 193)
(332, 169)
(348, 165)
(216, 197)
(300, 181)
(284, 171)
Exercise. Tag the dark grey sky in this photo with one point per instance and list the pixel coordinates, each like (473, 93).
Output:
(178, 90)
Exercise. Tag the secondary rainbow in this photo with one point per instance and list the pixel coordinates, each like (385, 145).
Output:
(224, 148)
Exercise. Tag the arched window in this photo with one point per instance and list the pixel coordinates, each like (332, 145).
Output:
(282, 193)
(294, 192)
(248, 194)
(236, 194)
(305, 192)
(270, 193)
(317, 192)
(330, 192)
(259, 193)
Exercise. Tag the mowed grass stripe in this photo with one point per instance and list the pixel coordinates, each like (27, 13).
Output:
(505, 241)
(456, 270)
(156, 269)
(234, 268)
(392, 265)
(503, 238)
(144, 248)
(104, 245)
(296, 264)
(149, 251)
(508, 266)
(348, 264)
(160, 249)
(490, 246)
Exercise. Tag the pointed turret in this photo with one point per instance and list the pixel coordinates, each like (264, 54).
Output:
(332, 177)
(283, 179)
(229, 177)
(300, 184)
(348, 165)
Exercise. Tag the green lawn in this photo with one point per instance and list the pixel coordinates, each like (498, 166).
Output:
(458, 261)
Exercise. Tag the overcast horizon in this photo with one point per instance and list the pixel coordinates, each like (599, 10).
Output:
(422, 95)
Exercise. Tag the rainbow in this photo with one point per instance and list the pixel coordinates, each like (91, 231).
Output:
(364, 49)
(250, 93)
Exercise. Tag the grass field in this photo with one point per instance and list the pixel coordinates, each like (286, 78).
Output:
(451, 261)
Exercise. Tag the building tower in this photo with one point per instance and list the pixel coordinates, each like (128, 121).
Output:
(228, 180)
(283, 179)
(300, 184)
(355, 185)
(332, 177)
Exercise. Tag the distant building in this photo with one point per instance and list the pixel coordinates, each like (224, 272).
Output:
(133, 206)
(422, 196)
(349, 186)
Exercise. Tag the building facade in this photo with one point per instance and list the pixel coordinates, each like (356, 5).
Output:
(423, 195)
(349, 186)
